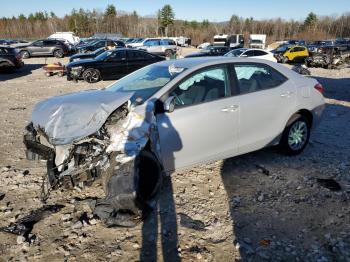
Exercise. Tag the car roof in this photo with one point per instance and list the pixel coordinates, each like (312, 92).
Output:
(193, 62)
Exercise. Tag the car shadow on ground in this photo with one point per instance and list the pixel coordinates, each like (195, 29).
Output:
(279, 211)
(8, 74)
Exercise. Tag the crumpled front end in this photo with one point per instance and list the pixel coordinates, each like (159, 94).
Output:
(124, 152)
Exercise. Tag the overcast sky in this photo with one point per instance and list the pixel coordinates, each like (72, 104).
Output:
(214, 10)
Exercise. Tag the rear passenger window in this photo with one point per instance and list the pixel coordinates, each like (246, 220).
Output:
(255, 77)
(100, 44)
(203, 86)
(249, 53)
(259, 53)
(49, 43)
(151, 43)
(135, 55)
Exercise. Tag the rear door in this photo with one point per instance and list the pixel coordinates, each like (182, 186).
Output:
(204, 124)
(266, 100)
(115, 66)
(137, 59)
(48, 45)
(153, 46)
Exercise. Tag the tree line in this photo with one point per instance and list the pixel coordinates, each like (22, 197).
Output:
(87, 22)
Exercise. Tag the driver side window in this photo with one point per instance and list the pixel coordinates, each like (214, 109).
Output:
(203, 86)
(38, 43)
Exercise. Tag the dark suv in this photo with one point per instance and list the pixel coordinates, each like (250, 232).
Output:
(10, 58)
(45, 47)
(98, 44)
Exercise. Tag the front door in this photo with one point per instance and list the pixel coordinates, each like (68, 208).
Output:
(204, 124)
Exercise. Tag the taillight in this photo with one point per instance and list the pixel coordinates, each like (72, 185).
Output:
(319, 88)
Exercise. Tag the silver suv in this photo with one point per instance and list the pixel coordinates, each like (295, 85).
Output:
(44, 47)
(159, 46)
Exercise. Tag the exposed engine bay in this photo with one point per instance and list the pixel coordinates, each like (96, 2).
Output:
(124, 152)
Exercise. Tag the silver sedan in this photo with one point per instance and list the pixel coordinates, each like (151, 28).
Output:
(173, 115)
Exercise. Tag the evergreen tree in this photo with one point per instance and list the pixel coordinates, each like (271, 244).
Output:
(167, 17)
(310, 20)
(111, 11)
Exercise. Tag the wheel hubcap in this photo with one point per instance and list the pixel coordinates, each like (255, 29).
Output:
(92, 76)
(297, 135)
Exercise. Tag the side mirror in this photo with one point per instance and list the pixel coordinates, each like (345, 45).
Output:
(169, 104)
(244, 55)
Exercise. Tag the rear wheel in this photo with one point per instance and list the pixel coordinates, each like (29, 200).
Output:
(91, 75)
(58, 53)
(168, 53)
(25, 54)
(295, 136)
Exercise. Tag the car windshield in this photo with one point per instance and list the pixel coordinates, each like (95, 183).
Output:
(98, 51)
(235, 53)
(283, 48)
(146, 81)
(207, 49)
(104, 55)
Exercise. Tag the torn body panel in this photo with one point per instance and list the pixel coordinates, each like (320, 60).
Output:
(113, 150)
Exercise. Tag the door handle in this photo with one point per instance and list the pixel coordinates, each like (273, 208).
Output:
(232, 108)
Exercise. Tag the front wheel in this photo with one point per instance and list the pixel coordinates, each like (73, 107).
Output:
(58, 54)
(295, 136)
(91, 75)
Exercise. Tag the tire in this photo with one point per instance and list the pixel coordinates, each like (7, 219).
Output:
(130, 191)
(58, 53)
(295, 136)
(149, 178)
(25, 54)
(91, 75)
(284, 60)
(168, 53)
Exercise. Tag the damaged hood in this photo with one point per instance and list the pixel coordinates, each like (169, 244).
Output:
(71, 117)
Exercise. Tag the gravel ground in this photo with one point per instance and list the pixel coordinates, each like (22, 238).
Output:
(261, 206)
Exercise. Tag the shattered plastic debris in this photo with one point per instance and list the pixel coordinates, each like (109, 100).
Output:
(264, 242)
(24, 225)
(264, 170)
(301, 69)
(329, 183)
